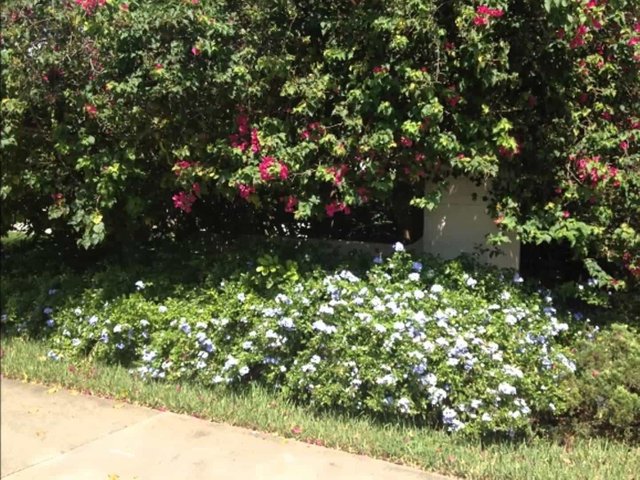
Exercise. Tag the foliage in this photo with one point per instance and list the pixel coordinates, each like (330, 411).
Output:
(450, 344)
(113, 111)
(607, 387)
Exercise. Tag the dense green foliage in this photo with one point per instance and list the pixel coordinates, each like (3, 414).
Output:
(453, 344)
(126, 118)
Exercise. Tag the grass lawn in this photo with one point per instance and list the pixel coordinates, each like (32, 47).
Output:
(259, 409)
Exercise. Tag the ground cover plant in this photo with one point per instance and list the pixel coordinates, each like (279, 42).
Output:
(456, 345)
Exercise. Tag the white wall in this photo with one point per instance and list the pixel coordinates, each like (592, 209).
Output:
(459, 223)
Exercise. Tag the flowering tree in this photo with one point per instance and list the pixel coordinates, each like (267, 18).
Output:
(115, 112)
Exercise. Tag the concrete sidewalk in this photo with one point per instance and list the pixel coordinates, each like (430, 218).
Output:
(54, 435)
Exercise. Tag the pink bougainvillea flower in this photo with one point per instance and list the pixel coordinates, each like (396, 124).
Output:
(606, 116)
(245, 190)
(480, 21)
(264, 166)
(195, 51)
(566, 214)
(290, 204)
(636, 27)
(453, 101)
(592, 4)
(242, 121)
(124, 7)
(284, 171)
(338, 173)
(183, 164)
(624, 145)
(406, 142)
(255, 141)
(237, 142)
(633, 41)
(91, 110)
(183, 201)
(195, 188)
(334, 207)
(158, 66)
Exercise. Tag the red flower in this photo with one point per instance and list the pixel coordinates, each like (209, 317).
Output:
(284, 171)
(183, 164)
(592, 4)
(195, 51)
(334, 207)
(379, 69)
(406, 142)
(291, 204)
(255, 141)
(566, 214)
(91, 110)
(264, 167)
(245, 190)
(607, 116)
(479, 21)
(453, 101)
(183, 201)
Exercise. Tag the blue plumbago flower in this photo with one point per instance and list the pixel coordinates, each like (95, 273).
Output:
(241, 297)
(388, 400)
(248, 345)
(243, 371)
(52, 291)
(217, 379)
(388, 379)
(476, 403)
(117, 328)
(166, 365)
(203, 355)
(50, 322)
(505, 296)
(75, 342)
(271, 312)
(506, 389)
(162, 309)
(78, 311)
(471, 282)
(486, 417)
(282, 298)
(53, 355)
(148, 356)
(120, 346)
(201, 337)
(185, 327)
(358, 300)
(522, 404)
(326, 309)
(348, 276)
(435, 288)
(437, 395)
(200, 364)
(398, 247)
(47, 310)
(517, 278)
(416, 266)
(104, 336)
(448, 414)
(377, 259)
(323, 327)
(566, 362)
(512, 371)
(414, 276)
(208, 346)
(93, 320)
(315, 359)
(404, 405)
(231, 362)
(308, 368)
(140, 285)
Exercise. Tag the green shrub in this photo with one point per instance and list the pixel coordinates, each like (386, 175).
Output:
(455, 344)
(606, 388)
